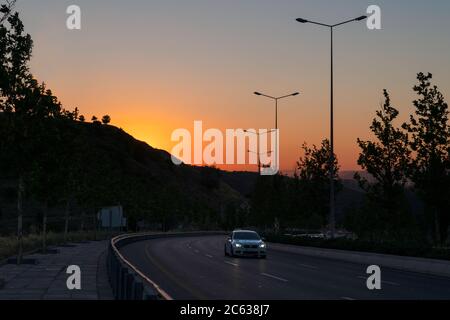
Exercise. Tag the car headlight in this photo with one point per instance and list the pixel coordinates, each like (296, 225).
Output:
(262, 245)
(238, 245)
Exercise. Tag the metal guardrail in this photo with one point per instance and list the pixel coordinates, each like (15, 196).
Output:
(127, 281)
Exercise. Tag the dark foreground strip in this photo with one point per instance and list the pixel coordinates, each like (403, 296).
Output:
(360, 310)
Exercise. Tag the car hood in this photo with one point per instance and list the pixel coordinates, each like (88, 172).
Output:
(248, 241)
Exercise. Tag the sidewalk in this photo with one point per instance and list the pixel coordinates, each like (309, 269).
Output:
(47, 279)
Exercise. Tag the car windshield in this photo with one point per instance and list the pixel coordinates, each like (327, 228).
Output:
(246, 236)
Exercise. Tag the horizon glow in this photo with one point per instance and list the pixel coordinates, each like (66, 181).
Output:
(155, 66)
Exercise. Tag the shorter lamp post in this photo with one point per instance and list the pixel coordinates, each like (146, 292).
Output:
(259, 159)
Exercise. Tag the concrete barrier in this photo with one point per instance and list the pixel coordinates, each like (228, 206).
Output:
(129, 283)
(421, 265)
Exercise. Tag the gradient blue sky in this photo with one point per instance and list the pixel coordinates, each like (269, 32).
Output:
(158, 65)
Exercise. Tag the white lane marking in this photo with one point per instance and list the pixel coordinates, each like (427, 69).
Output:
(307, 266)
(196, 251)
(231, 263)
(274, 277)
(382, 281)
(209, 256)
(347, 298)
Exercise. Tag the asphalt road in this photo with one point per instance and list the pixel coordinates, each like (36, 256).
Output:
(196, 269)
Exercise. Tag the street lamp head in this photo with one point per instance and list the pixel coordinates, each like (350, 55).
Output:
(361, 18)
(302, 20)
(295, 94)
(257, 93)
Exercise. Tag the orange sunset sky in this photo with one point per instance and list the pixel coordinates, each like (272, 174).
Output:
(155, 66)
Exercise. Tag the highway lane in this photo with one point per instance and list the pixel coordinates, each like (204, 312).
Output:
(195, 268)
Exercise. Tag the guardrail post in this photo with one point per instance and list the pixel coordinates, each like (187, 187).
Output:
(138, 290)
(130, 281)
(123, 282)
(149, 294)
(116, 269)
(111, 269)
(118, 279)
(109, 263)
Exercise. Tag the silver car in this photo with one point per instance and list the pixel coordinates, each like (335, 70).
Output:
(245, 243)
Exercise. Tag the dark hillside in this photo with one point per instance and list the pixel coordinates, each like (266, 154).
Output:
(114, 168)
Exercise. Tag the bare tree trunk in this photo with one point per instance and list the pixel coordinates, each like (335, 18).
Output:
(66, 221)
(437, 228)
(44, 228)
(95, 226)
(110, 223)
(82, 221)
(20, 194)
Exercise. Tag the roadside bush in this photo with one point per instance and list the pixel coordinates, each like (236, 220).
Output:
(8, 245)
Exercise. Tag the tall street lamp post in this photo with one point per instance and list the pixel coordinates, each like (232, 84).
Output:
(332, 220)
